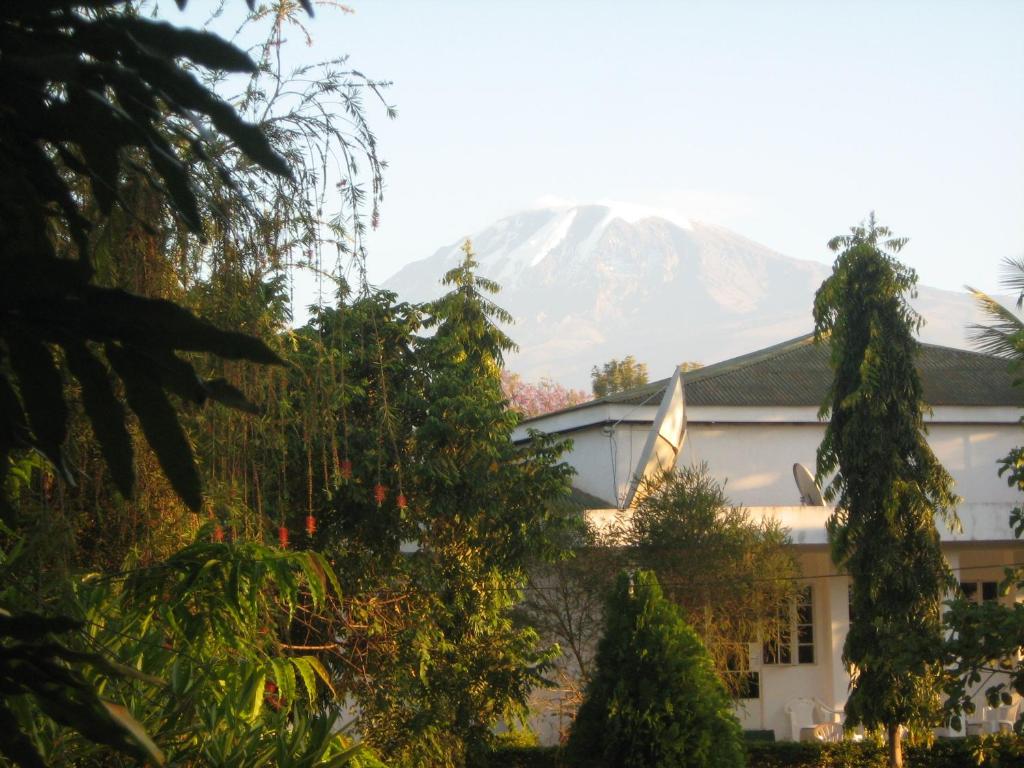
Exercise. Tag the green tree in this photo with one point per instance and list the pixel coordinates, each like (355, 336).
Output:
(886, 482)
(655, 700)
(123, 102)
(433, 652)
(686, 531)
(126, 184)
(986, 640)
(618, 376)
(484, 509)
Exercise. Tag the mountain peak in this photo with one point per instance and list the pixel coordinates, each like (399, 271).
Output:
(587, 283)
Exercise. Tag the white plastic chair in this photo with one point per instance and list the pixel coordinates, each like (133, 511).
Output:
(811, 720)
(1000, 719)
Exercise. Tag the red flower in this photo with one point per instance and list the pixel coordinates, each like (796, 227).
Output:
(380, 493)
(282, 536)
(218, 533)
(346, 469)
(402, 503)
(310, 525)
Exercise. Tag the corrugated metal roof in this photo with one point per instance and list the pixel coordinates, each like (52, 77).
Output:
(797, 373)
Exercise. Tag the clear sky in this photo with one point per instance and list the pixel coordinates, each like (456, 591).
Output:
(784, 121)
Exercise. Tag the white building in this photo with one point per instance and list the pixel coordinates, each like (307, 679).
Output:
(751, 419)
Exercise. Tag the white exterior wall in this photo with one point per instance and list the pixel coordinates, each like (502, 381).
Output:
(753, 451)
(605, 458)
(755, 458)
(825, 679)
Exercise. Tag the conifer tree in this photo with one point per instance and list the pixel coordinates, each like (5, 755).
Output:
(480, 508)
(655, 700)
(886, 482)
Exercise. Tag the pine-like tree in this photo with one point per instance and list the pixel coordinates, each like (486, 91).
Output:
(887, 484)
(655, 700)
(480, 508)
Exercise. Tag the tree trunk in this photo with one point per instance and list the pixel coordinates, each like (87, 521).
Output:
(895, 746)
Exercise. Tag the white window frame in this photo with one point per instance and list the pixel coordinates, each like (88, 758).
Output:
(794, 645)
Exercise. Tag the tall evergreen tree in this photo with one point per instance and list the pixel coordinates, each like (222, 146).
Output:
(440, 658)
(886, 482)
(655, 700)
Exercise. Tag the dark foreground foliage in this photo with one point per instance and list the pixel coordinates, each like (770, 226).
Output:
(990, 752)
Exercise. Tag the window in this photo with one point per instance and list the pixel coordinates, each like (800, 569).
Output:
(745, 683)
(980, 591)
(793, 642)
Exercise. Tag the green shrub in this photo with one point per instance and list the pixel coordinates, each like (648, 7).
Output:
(516, 738)
(992, 751)
(519, 757)
(986, 752)
(655, 700)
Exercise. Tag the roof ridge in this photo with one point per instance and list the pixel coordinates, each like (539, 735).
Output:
(974, 352)
(734, 364)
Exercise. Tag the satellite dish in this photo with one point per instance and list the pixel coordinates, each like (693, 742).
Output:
(810, 495)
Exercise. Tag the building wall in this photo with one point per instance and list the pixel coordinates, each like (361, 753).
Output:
(605, 458)
(755, 460)
(752, 451)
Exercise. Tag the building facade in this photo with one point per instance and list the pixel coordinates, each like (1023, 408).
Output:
(751, 419)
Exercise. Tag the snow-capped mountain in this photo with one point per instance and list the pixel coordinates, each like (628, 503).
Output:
(594, 282)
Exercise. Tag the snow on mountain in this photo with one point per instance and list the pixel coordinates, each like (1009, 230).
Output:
(593, 282)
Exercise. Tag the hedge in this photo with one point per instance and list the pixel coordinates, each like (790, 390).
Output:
(521, 757)
(993, 752)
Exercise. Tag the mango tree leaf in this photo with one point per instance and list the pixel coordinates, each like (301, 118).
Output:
(135, 731)
(253, 694)
(106, 414)
(33, 626)
(12, 418)
(14, 744)
(318, 667)
(302, 666)
(315, 578)
(158, 322)
(203, 48)
(328, 571)
(42, 392)
(160, 425)
(229, 395)
(284, 676)
(174, 374)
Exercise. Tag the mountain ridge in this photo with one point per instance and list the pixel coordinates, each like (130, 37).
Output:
(589, 283)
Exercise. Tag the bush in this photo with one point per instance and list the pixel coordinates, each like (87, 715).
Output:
(655, 700)
(985, 752)
(519, 757)
(992, 751)
(516, 738)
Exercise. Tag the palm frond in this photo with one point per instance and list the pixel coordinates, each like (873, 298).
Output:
(1004, 335)
(1013, 278)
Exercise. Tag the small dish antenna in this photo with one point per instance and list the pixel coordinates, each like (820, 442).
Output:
(810, 494)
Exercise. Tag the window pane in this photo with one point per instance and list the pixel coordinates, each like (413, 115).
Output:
(785, 654)
(805, 634)
(805, 654)
(969, 588)
(751, 688)
(989, 590)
